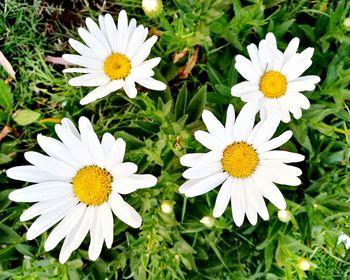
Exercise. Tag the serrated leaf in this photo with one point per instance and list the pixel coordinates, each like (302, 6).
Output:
(25, 117)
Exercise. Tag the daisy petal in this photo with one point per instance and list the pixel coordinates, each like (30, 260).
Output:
(96, 237)
(223, 198)
(107, 223)
(275, 142)
(90, 80)
(83, 61)
(102, 91)
(150, 83)
(202, 171)
(282, 156)
(213, 125)
(116, 154)
(209, 141)
(133, 182)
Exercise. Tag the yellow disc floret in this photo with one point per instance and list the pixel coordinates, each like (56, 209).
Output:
(239, 160)
(273, 84)
(92, 185)
(117, 66)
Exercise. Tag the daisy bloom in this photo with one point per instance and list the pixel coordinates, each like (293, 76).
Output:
(274, 78)
(243, 159)
(78, 184)
(113, 57)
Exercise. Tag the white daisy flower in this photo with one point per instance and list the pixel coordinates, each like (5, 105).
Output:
(243, 159)
(274, 78)
(113, 58)
(343, 238)
(78, 184)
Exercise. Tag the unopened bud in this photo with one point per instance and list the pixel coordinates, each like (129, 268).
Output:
(346, 22)
(284, 216)
(167, 207)
(208, 221)
(304, 264)
(152, 8)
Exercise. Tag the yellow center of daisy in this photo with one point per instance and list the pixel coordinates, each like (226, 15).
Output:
(239, 160)
(117, 66)
(273, 84)
(92, 185)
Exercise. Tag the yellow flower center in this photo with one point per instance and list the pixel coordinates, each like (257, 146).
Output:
(273, 84)
(117, 66)
(239, 159)
(92, 185)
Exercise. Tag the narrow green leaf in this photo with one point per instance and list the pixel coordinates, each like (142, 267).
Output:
(25, 117)
(6, 97)
(181, 102)
(197, 103)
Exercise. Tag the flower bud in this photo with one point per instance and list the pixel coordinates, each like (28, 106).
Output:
(304, 264)
(208, 221)
(152, 8)
(346, 23)
(167, 207)
(284, 216)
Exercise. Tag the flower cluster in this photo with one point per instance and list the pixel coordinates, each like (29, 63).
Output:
(80, 181)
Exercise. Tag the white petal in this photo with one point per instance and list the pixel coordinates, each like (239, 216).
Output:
(267, 129)
(90, 80)
(269, 190)
(130, 88)
(187, 185)
(251, 213)
(107, 224)
(150, 83)
(81, 70)
(124, 211)
(244, 122)
(74, 145)
(297, 71)
(65, 226)
(196, 159)
(111, 32)
(122, 40)
(116, 154)
(256, 199)
(96, 237)
(81, 48)
(101, 22)
(144, 51)
(92, 143)
(98, 33)
(223, 198)
(301, 100)
(206, 185)
(100, 51)
(209, 141)
(83, 61)
(282, 156)
(238, 204)
(41, 192)
(202, 171)
(281, 167)
(136, 40)
(107, 143)
(291, 49)
(245, 67)
(47, 206)
(29, 173)
(123, 170)
(213, 125)
(244, 88)
(229, 125)
(44, 222)
(84, 228)
(102, 91)
(58, 150)
(279, 176)
(67, 123)
(133, 182)
(254, 57)
(275, 142)
(51, 165)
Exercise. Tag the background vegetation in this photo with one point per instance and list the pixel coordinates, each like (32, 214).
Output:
(202, 37)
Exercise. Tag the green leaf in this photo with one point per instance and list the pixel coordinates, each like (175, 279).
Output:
(25, 117)
(181, 102)
(8, 235)
(6, 97)
(197, 103)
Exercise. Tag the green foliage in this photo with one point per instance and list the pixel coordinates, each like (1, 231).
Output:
(158, 128)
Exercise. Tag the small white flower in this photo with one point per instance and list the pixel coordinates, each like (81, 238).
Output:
(304, 264)
(284, 215)
(343, 238)
(274, 78)
(346, 23)
(167, 207)
(78, 184)
(113, 58)
(208, 221)
(243, 159)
